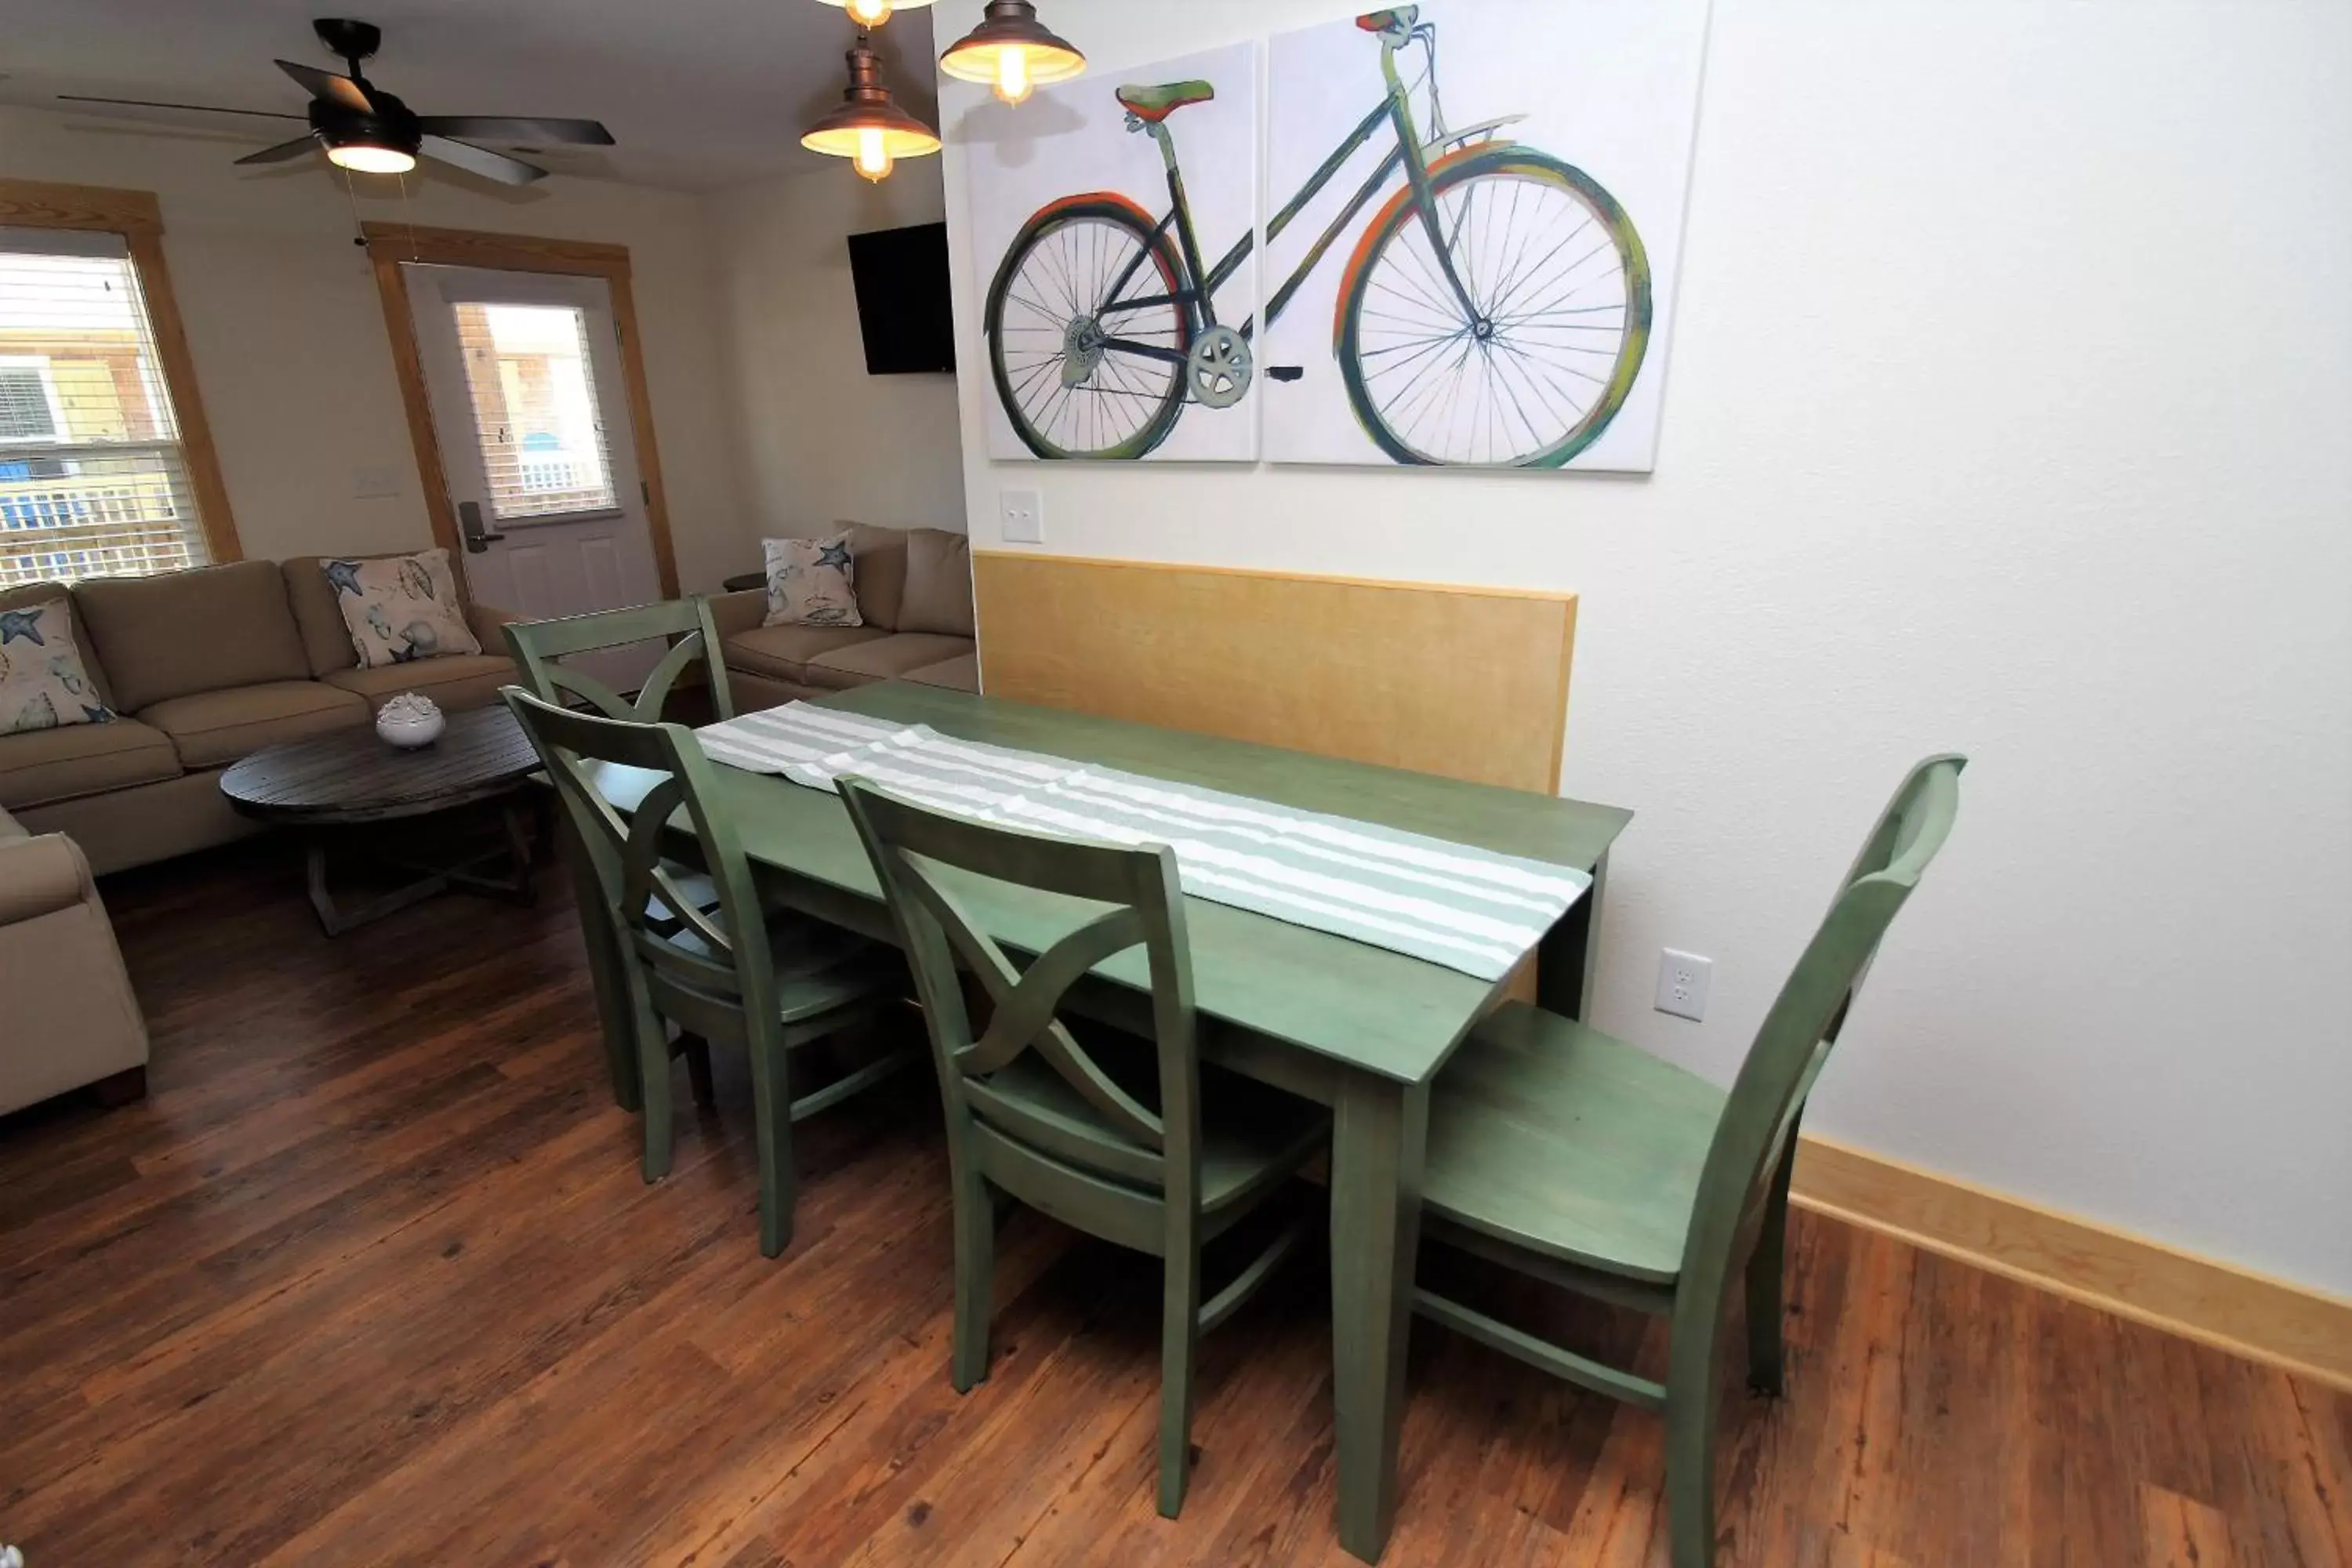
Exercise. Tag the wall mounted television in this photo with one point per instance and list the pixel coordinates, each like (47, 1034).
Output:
(903, 306)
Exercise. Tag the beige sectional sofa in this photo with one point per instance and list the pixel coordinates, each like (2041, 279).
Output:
(72, 1019)
(914, 593)
(203, 668)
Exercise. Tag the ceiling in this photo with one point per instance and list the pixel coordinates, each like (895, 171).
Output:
(697, 93)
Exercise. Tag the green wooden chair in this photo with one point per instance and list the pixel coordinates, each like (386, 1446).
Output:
(1148, 1149)
(538, 647)
(1581, 1160)
(726, 974)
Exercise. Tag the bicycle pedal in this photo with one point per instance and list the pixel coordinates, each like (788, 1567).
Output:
(1287, 372)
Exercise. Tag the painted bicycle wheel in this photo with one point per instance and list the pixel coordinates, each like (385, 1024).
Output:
(1084, 278)
(1531, 373)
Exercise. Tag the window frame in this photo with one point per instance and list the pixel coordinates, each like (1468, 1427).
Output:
(138, 219)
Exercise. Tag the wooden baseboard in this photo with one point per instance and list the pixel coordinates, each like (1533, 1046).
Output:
(2248, 1314)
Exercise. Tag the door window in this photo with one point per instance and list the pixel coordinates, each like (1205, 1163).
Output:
(535, 411)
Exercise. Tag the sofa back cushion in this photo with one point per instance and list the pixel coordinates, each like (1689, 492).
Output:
(27, 594)
(205, 630)
(938, 584)
(326, 641)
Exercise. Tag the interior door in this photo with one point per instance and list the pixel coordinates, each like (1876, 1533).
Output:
(523, 374)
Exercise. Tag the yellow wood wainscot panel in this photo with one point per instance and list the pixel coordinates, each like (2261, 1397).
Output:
(2249, 1314)
(1471, 683)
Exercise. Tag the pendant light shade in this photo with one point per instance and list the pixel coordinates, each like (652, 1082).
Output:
(873, 12)
(1013, 52)
(869, 129)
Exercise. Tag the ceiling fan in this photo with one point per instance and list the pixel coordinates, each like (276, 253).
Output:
(363, 127)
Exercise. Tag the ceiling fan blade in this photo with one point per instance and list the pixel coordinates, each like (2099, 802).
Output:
(198, 107)
(481, 161)
(283, 151)
(338, 90)
(518, 130)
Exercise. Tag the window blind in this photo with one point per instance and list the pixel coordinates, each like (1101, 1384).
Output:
(92, 479)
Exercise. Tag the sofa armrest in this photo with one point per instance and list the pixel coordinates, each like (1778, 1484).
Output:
(484, 622)
(41, 875)
(735, 613)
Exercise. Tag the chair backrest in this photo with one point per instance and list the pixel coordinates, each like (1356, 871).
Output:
(910, 846)
(1769, 1096)
(538, 646)
(705, 968)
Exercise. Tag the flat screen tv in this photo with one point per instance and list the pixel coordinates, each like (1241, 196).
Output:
(903, 306)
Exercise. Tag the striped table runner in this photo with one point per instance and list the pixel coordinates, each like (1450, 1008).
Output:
(1468, 909)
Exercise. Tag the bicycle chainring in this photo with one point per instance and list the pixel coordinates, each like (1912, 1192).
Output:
(1219, 367)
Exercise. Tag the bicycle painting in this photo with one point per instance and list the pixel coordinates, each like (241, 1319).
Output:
(1443, 293)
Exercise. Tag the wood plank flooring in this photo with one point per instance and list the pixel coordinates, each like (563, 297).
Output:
(370, 1279)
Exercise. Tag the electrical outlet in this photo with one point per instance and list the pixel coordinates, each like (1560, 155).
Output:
(1023, 514)
(1683, 979)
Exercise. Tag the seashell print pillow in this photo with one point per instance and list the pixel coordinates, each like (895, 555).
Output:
(43, 681)
(401, 608)
(811, 582)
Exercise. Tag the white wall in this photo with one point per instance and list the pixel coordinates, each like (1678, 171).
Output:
(823, 440)
(2011, 412)
(289, 340)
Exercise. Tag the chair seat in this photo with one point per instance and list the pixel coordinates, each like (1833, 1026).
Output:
(1554, 1137)
(1250, 1134)
(820, 968)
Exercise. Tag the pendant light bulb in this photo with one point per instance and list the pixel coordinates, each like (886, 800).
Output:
(874, 160)
(870, 13)
(1013, 84)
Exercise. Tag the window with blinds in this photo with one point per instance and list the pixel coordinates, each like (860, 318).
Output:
(535, 409)
(92, 479)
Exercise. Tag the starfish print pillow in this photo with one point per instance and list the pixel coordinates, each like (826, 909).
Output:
(811, 582)
(43, 681)
(401, 608)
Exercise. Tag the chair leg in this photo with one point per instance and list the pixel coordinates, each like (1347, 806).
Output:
(653, 1079)
(697, 1051)
(1180, 1336)
(975, 1279)
(772, 1097)
(1767, 1372)
(1690, 1455)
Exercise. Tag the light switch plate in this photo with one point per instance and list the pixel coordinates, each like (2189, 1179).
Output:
(1023, 515)
(1683, 979)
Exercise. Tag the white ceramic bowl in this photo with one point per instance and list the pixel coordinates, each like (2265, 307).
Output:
(410, 733)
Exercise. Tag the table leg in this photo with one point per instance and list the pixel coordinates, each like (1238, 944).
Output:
(1379, 1133)
(1566, 958)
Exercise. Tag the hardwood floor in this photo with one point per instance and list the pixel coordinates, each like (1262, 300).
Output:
(369, 1278)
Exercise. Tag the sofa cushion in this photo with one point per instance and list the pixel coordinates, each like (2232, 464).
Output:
(11, 829)
(457, 682)
(205, 630)
(43, 766)
(881, 555)
(960, 673)
(938, 584)
(44, 679)
(326, 641)
(210, 728)
(885, 660)
(782, 653)
(26, 595)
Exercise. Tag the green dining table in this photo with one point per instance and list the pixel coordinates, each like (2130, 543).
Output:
(1355, 1027)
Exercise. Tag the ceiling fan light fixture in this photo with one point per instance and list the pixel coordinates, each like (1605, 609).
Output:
(869, 129)
(371, 158)
(1013, 52)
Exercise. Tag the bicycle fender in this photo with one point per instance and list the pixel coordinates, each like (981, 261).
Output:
(1364, 244)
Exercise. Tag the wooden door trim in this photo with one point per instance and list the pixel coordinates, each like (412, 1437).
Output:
(138, 217)
(390, 244)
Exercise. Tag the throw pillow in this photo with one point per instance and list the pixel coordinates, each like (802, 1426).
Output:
(43, 681)
(811, 582)
(401, 608)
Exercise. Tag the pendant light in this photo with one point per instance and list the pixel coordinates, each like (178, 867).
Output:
(1012, 52)
(873, 12)
(869, 129)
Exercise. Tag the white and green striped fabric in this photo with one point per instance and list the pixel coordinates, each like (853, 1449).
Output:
(1468, 909)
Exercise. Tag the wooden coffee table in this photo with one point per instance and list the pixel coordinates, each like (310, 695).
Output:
(330, 785)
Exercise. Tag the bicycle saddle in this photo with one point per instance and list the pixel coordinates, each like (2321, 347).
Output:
(1157, 103)
(1402, 16)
